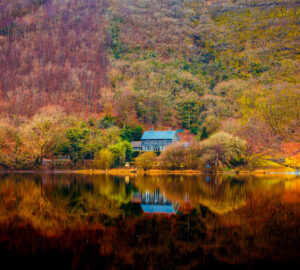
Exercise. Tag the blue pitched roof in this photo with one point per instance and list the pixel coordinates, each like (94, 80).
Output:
(158, 135)
(158, 208)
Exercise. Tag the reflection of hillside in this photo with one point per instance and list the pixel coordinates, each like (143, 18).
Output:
(292, 192)
(53, 201)
(221, 197)
(22, 196)
(220, 193)
(94, 188)
(70, 211)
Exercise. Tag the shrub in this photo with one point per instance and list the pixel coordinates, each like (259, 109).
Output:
(220, 149)
(145, 160)
(103, 159)
(135, 154)
(122, 152)
(179, 156)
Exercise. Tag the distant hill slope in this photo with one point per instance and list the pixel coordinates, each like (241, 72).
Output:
(51, 53)
(230, 65)
(204, 63)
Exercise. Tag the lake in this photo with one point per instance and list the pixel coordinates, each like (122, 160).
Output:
(80, 221)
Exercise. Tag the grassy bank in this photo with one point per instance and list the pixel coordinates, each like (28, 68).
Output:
(123, 171)
(271, 167)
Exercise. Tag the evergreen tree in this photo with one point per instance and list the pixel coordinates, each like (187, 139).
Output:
(204, 133)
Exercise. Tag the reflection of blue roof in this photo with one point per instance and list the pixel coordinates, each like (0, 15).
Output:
(158, 208)
(158, 135)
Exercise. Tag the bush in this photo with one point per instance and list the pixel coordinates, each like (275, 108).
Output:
(221, 149)
(135, 154)
(122, 152)
(179, 156)
(145, 160)
(103, 159)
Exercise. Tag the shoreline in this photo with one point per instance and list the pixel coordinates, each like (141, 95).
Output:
(124, 171)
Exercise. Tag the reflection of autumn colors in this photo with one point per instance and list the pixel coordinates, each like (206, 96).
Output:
(215, 192)
(51, 202)
(220, 193)
(79, 221)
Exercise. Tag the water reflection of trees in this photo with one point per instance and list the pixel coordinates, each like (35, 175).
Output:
(262, 229)
(52, 201)
(85, 194)
(49, 200)
(220, 193)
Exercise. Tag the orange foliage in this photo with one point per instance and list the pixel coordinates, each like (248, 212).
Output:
(291, 148)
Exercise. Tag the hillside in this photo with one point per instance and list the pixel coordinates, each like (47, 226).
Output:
(191, 65)
(51, 53)
(204, 66)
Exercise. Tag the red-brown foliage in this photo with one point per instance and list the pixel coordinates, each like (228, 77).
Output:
(51, 52)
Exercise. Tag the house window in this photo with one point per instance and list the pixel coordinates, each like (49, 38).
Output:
(156, 148)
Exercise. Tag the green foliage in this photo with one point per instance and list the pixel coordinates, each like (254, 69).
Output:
(194, 130)
(80, 143)
(106, 122)
(135, 154)
(91, 122)
(122, 152)
(189, 109)
(204, 134)
(104, 159)
(128, 152)
(113, 40)
(257, 69)
(132, 133)
(73, 144)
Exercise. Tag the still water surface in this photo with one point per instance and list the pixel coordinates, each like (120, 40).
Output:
(76, 221)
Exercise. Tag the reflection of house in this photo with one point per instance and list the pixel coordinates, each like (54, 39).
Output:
(155, 203)
(158, 140)
(185, 208)
(136, 145)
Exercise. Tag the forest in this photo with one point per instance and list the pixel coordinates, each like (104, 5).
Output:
(83, 78)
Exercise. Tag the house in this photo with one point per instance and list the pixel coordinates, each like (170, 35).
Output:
(158, 140)
(136, 145)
